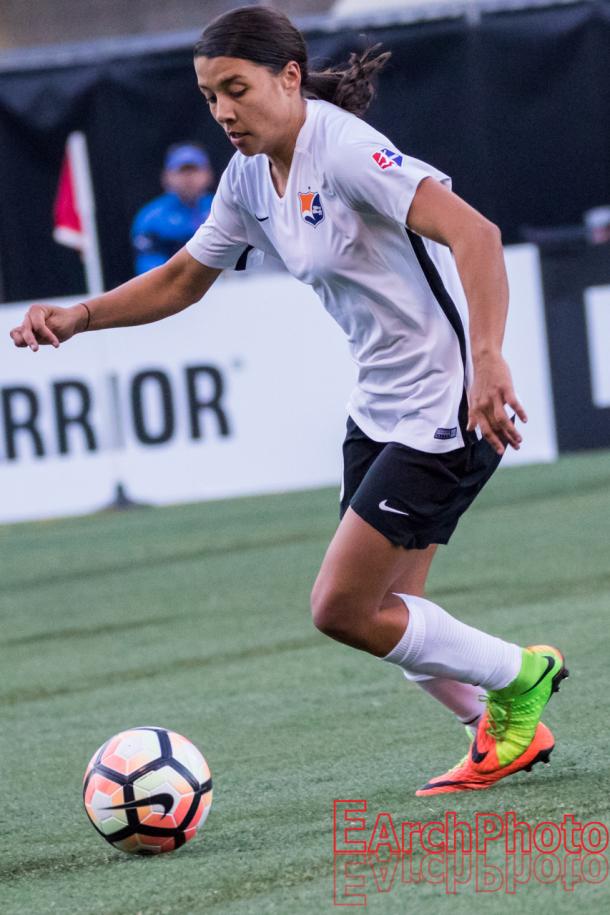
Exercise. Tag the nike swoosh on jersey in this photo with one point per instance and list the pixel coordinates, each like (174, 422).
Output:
(388, 508)
(261, 218)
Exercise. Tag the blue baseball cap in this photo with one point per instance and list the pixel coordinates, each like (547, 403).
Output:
(180, 156)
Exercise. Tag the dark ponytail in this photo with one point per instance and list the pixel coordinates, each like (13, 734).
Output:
(266, 36)
(351, 85)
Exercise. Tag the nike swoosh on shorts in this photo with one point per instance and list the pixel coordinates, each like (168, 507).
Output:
(388, 508)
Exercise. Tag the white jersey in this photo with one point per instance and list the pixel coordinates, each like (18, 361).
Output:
(340, 227)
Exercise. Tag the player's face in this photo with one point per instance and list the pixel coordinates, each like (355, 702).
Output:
(255, 107)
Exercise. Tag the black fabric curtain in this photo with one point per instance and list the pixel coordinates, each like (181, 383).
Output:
(515, 108)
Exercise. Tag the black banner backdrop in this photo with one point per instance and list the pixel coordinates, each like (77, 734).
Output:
(567, 272)
(516, 108)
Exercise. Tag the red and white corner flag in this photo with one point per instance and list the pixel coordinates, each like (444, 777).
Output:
(74, 211)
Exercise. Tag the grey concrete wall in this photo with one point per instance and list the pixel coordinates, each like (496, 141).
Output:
(25, 23)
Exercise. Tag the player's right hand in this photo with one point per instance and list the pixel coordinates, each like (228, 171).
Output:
(48, 325)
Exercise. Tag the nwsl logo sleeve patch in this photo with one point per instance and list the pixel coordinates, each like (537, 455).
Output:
(386, 158)
(311, 207)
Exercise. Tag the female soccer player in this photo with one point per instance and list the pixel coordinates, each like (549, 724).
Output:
(405, 267)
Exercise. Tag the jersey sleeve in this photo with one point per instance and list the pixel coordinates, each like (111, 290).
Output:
(372, 176)
(222, 239)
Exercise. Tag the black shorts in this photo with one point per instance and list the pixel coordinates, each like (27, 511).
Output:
(412, 497)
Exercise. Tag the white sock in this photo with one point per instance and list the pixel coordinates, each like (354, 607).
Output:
(437, 644)
(467, 702)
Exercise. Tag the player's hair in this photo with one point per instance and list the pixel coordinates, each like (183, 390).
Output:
(266, 36)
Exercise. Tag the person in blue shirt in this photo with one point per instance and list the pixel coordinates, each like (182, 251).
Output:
(165, 224)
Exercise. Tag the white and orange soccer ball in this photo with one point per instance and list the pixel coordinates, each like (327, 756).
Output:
(147, 790)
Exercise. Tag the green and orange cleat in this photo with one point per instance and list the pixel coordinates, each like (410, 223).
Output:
(510, 736)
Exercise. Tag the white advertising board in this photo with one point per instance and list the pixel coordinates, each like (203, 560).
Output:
(526, 350)
(597, 311)
(242, 393)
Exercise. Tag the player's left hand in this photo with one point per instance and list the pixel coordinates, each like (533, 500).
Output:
(492, 390)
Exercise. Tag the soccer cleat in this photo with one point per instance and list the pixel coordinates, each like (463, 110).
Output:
(513, 713)
(470, 776)
(510, 736)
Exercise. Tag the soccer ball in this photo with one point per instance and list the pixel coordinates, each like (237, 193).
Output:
(147, 790)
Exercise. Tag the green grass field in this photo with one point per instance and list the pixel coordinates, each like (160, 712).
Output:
(196, 618)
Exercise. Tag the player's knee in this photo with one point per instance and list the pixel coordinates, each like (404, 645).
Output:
(333, 612)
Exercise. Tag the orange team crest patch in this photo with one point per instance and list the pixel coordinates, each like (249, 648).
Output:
(311, 207)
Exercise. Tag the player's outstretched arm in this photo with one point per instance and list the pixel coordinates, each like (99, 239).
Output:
(152, 296)
(476, 244)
